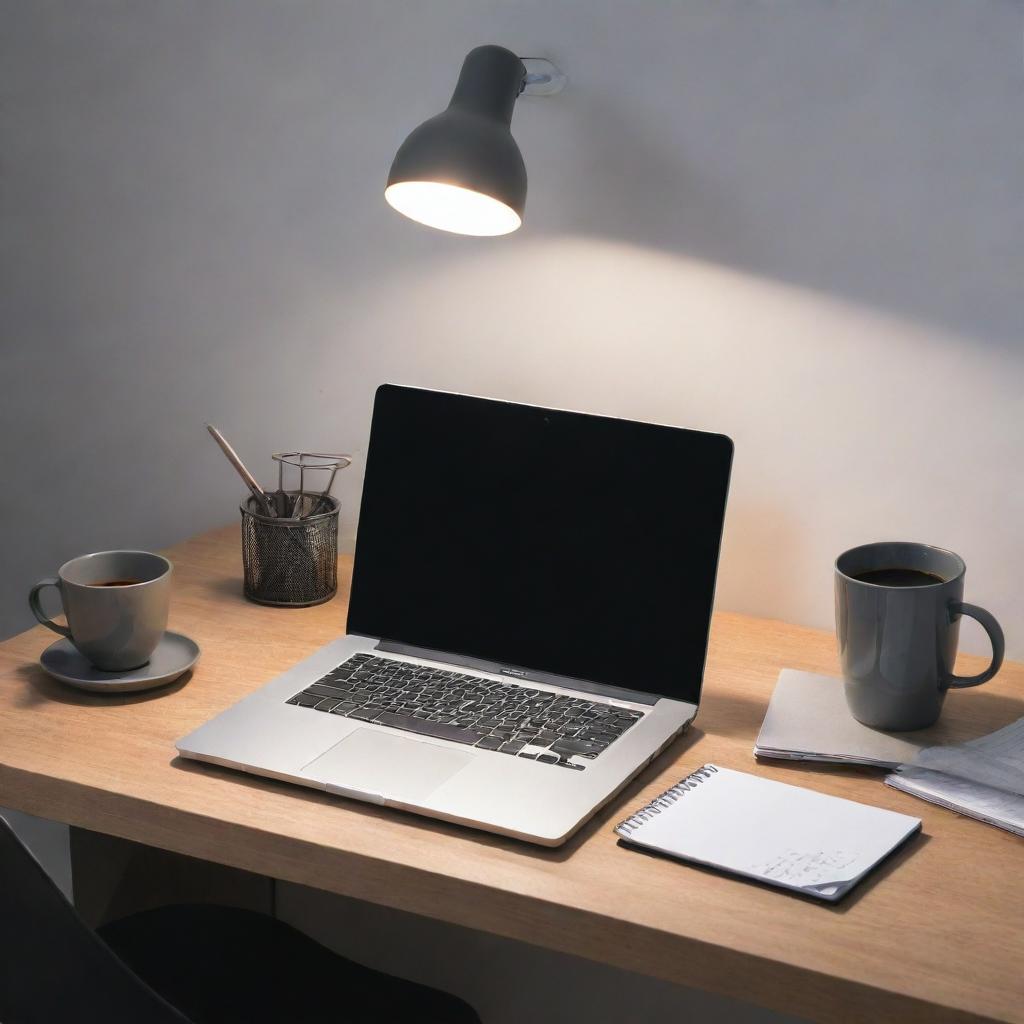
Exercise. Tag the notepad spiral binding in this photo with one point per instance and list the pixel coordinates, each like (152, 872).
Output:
(665, 800)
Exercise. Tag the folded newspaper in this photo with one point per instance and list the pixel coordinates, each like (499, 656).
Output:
(983, 778)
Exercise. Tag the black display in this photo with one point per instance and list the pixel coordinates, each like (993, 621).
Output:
(554, 541)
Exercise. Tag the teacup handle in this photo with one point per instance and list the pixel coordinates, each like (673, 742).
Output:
(995, 635)
(37, 608)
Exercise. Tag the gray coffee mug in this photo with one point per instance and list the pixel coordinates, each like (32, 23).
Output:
(897, 643)
(116, 627)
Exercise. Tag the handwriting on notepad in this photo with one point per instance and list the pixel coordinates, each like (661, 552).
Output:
(800, 868)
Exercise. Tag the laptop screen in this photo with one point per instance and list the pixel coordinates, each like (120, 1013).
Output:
(551, 541)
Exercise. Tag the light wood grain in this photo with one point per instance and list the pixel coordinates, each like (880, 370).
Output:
(935, 935)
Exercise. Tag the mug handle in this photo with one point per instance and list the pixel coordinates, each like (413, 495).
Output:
(995, 635)
(37, 608)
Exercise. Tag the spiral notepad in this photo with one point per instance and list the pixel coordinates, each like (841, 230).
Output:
(783, 835)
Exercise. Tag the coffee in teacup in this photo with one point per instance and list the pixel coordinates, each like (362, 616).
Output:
(116, 605)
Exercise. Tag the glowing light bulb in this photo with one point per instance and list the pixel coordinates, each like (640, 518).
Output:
(452, 208)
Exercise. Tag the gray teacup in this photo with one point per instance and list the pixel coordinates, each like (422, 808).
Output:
(116, 605)
(898, 608)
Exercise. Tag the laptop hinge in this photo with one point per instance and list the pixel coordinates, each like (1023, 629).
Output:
(519, 673)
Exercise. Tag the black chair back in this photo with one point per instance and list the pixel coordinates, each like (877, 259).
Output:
(53, 967)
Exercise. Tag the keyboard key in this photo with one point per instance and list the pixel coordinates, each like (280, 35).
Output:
(512, 747)
(306, 700)
(327, 691)
(567, 747)
(344, 707)
(365, 714)
(569, 764)
(490, 743)
(527, 753)
(548, 758)
(328, 704)
(596, 736)
(439, 730)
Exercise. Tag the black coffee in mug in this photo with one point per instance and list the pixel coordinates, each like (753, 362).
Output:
(899, 578)
(898, 610)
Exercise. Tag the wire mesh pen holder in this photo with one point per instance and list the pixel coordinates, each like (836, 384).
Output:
(291, 562)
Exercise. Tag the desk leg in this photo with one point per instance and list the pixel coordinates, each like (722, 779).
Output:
(115, 877)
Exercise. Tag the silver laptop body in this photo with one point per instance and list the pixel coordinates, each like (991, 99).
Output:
(515, 780)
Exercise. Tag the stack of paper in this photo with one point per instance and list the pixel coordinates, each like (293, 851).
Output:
(808, 720)
(983, 778)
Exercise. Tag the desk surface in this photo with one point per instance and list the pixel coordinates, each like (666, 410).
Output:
(935, 935)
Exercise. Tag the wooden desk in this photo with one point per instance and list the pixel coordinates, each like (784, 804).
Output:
(936, 935)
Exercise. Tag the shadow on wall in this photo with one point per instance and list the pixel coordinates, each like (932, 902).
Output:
(641, 188)
(849, 154)
(861, 242)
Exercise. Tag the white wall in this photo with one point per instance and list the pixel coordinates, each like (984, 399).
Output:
(800, 223)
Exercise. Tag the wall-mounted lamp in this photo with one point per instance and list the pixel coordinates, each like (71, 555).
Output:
(462, 171)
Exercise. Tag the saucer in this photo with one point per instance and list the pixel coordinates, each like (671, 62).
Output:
(174, 655)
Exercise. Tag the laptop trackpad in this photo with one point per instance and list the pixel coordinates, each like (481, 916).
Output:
(393, 767)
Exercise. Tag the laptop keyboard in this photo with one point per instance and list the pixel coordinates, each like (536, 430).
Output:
(449, 705)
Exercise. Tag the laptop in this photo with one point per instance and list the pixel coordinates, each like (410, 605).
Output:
(527, 625)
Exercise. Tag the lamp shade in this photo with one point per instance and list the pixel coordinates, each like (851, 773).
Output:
(462, 171)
